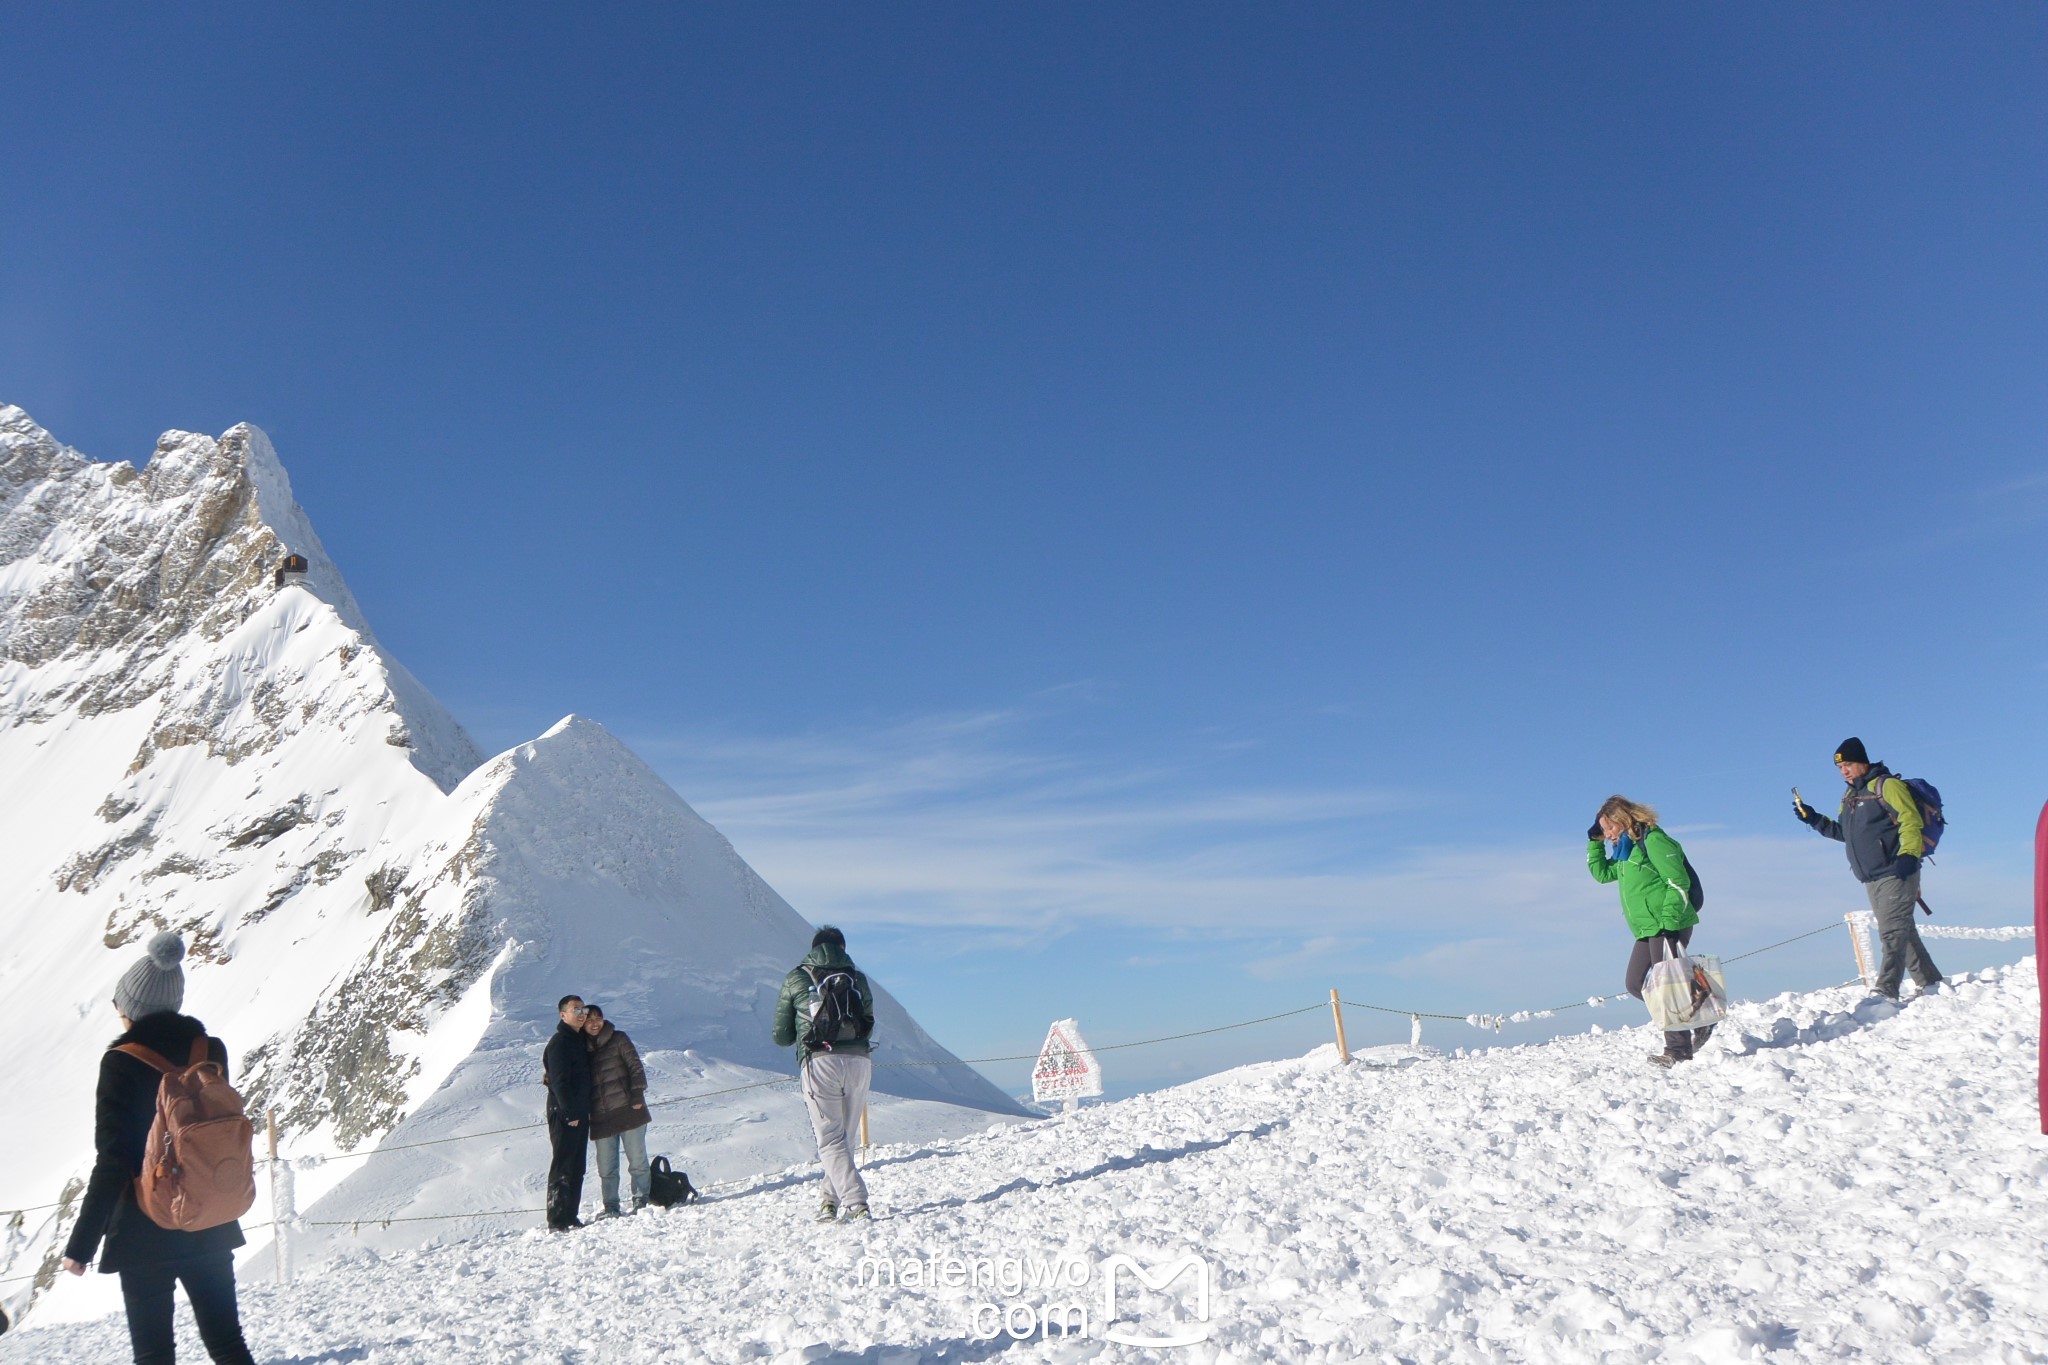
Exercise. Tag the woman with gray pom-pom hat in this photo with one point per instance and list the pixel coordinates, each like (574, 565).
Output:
(151, 1259)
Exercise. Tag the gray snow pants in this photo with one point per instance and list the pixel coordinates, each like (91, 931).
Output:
(1893, 900)
(835, 1091)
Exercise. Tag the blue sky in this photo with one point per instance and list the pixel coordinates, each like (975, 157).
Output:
(1142, 512)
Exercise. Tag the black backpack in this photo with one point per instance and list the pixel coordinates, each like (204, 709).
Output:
(835, 1009)
(667, 1186)
(1697, 894)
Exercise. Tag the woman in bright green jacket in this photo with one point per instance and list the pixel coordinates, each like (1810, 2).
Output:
(1656, 898)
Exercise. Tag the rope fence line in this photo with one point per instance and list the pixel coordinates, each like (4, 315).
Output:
(24, 1279)
(1482, 1021)
(1425, 1014)
(1811, 933)
(1115, 1047)
(324, 1157)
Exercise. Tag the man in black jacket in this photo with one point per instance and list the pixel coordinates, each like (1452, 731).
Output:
(567, 1060)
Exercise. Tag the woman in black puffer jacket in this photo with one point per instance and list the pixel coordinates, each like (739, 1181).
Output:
(150, 1259)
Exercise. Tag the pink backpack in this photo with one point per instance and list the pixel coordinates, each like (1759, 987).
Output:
(199, 1166)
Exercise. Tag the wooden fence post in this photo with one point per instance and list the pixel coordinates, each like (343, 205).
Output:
(1337, 1013)
(1864, 967)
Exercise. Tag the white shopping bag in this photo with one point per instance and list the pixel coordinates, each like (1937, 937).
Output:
(1685, 992)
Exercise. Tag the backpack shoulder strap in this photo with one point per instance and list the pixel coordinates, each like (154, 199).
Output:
(143, 1054)
(202, 1050)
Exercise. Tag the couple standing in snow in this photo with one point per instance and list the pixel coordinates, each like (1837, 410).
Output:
(597, 1096)
(1880, 823)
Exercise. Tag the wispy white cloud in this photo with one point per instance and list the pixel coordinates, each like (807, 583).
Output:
(1997, 508)
(960, 825)
(962, 822)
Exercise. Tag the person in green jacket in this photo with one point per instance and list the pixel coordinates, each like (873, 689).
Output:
(1656, 899)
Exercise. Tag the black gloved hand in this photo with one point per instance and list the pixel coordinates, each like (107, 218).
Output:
(1593, 833)
(1803, 812)
(1904, 866)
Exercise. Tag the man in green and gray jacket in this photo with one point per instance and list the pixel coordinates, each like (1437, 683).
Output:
(827, 1012)
(1881, 826)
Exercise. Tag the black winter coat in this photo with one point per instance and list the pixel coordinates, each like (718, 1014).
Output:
(1870, 826)
(617, 1083)
(567, 1061)
(122, 1113)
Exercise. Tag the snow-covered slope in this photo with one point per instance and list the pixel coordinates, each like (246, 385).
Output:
(380, 921)
(1832, 1181)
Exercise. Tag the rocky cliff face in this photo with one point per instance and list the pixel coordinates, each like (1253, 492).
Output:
(189, 744)
(124, 575)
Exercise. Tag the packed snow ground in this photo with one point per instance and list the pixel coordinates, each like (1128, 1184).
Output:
(1834, 1180)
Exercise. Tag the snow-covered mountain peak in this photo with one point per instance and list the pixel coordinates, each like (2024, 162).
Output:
(118, 588)
(379, 921)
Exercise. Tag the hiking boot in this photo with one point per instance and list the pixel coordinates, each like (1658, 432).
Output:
(828, 1212)
(1664, 1059)
(858, 1213)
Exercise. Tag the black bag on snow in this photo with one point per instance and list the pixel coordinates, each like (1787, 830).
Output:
(835, 1009)
(667, 1186)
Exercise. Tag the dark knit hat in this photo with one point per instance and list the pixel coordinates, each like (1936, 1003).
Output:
(155, 984)
(1851, 750)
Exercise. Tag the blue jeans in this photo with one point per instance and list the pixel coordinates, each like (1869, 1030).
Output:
(635, 1142)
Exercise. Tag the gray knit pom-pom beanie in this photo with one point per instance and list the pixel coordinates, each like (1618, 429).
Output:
(155, 984)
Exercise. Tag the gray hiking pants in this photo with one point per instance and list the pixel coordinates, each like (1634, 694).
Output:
(1892, 900)
(835, 1091)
